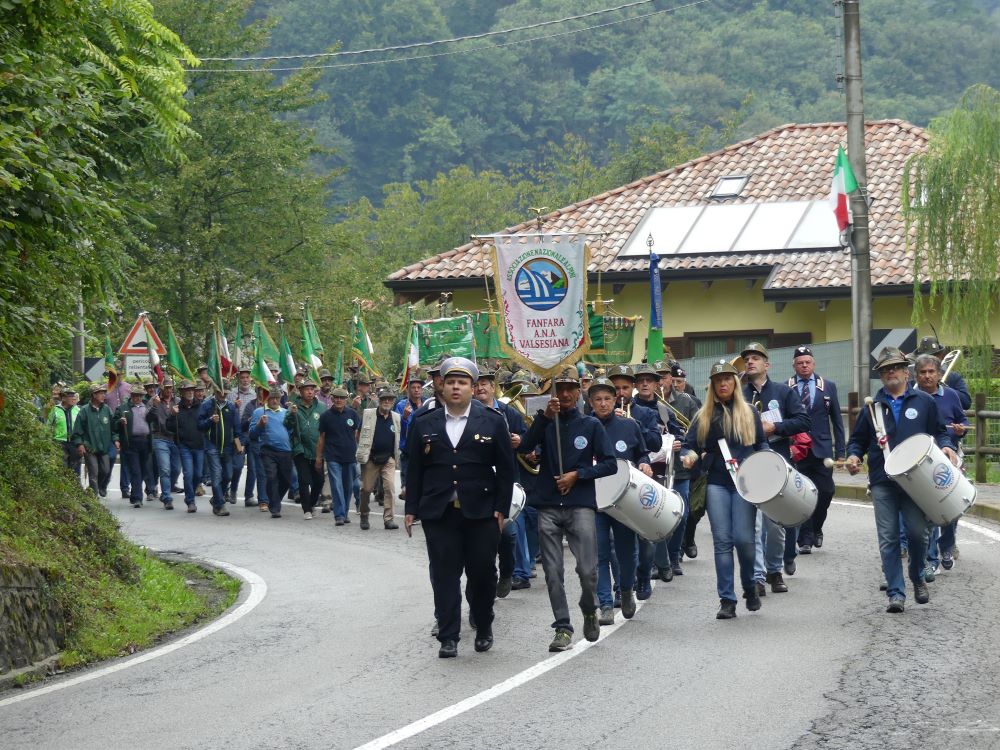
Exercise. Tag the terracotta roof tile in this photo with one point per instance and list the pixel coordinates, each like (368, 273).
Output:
(790, 162)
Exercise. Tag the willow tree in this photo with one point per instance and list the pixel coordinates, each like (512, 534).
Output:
(951, 201)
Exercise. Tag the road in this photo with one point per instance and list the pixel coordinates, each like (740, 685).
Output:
(338, 654)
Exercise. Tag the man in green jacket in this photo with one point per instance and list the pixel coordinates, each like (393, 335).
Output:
(61, 419)
(92, 436)
(302, 423)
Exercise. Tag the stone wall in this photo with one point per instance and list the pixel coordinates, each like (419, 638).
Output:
(32, 627)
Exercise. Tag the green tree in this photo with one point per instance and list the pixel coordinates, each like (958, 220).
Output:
(242, 221)
(87, 90)
(951, 198)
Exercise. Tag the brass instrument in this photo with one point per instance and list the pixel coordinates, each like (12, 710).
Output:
(949, 361)
(740, 364)
(627, 408)
(512, 397)
(681, 419)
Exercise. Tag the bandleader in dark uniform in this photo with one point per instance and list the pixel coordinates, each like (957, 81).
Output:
(459, 484)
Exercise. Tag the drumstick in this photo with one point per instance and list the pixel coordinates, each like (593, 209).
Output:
(830, 463)
(731, 464)
(879, 425)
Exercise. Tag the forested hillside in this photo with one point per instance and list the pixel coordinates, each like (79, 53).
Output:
(492, 107)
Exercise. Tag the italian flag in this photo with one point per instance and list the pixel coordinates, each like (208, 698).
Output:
(843, 184)
(412, 355)
(154, 356)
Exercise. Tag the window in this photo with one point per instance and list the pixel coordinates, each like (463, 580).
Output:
(731, 186)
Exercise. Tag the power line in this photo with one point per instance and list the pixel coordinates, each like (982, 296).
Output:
(414, 45)
(453, 52)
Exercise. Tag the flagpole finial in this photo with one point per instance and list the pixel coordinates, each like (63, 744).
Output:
(238, 309)
(649, 242)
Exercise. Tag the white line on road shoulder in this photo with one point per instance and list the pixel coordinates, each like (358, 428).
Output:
(258, 590)
(988, 533)
(450, 712)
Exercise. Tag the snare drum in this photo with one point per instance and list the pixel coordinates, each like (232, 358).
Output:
(630, 497)
(924, 472)
(779, 491)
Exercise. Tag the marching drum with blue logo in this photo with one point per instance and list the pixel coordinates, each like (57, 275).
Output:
(779, 491)
(630, 497)
(938, 488)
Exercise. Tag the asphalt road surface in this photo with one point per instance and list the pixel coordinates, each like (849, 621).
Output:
(338, 655)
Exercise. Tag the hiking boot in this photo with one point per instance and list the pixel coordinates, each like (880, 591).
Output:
(920, 592)
(364, 523)
(563, 641)
(591, 627)
(753, 601)
(607, 616)
(896, 605)
(643, 590)
(503, 586)
(778, 585)
(391, 525)
(219, 511)
(628, 604)
(727, 610)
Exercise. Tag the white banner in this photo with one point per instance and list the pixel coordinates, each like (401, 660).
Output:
(542, 283)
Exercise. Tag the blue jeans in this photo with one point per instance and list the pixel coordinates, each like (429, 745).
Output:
(941, 542)
(890, 502)
(523, 562)
(610, 531)
(220, 464)
(232, 481)
(733, 521)
(770, 547)
(123, 482)
(355, 484)
(167, 456)
(341, 485)
(193, 461)
(255, 474)
(676, 540)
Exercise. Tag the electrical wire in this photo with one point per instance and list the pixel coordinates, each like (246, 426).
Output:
(436, 42)
(453, 52)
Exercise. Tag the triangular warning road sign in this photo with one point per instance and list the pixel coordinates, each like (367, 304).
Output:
(135, 342)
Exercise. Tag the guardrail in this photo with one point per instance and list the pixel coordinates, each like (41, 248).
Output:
(979, 418)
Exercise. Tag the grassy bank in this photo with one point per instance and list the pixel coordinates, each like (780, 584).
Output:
(116, 597)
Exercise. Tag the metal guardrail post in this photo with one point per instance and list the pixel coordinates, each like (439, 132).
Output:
(980, 404)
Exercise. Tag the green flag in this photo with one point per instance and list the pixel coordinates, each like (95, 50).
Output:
(259, 373)
(361, 347)
(214, 362)
(317, 345)
(286, 362)
(176, 360)
(338, 373)
(451, 336)
(109, 360)
(309, 353)
(266, 343)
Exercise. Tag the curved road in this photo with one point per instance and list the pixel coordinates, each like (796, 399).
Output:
(338, 655)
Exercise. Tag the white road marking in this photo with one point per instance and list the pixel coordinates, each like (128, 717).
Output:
(536, 670)
(258, 590)
(965, 524)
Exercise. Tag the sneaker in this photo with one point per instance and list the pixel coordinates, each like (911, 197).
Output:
(169, 505)
(562, 642)
(504, 586)
(884, 586)
(930, 572)
(199, 491)
(920, 592)
(806, 549)
(325, 509)
(628, 604)
(753, 600)
(819, 539)
(338, 521)
(391, 525)
(947, 561)
(192, 508)
(643, 590)
(896, 605)
(520, 583)
(136, 505)
(263, 507)
(307, 516)
(727, 610)
(607, 616)
(591, 627)
(219, 511)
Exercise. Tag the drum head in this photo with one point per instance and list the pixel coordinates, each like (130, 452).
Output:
(906, 455)
(762, 476)
(609, 489)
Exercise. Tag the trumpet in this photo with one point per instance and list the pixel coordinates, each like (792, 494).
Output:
(681, 419)
(512, 397)
(627, 408)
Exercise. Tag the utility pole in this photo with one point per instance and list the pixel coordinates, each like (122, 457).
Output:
(79, 340)
(861, 271)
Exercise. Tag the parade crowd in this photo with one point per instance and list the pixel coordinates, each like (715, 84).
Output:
(461, 438)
